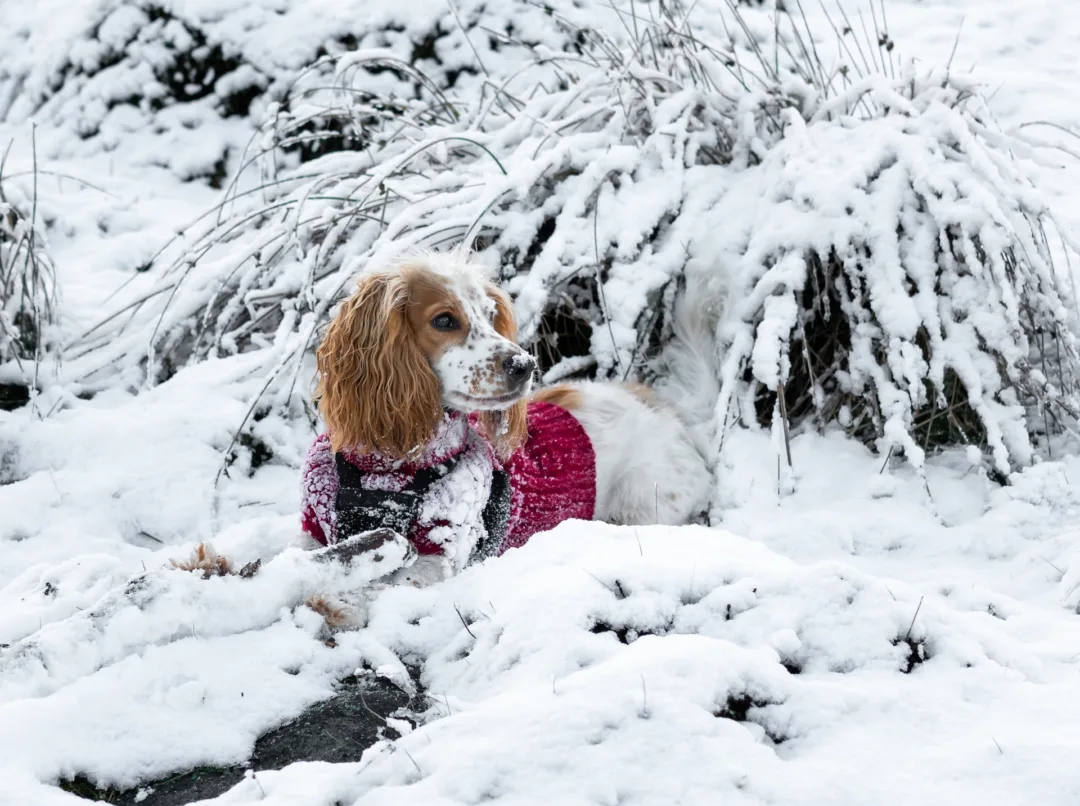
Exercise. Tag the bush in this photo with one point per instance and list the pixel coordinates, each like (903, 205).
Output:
(888, 260)
(176, 85)
(894, 276)
(28, 294)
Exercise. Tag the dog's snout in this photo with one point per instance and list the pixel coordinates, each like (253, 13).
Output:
(518, 367)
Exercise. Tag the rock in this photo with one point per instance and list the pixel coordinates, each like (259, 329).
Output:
(13, 396)
(338, 730)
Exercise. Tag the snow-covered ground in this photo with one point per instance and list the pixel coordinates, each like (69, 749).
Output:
(869, 638)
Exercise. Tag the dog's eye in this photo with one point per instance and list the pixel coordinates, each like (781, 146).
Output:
(445, 321)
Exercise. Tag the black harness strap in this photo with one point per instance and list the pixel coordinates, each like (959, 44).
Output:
(496, 517)
(362, 510)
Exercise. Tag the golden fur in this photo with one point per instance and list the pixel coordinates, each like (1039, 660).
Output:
(376, 391)
(566, 397)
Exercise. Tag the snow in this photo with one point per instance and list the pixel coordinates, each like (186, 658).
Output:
(866, 633)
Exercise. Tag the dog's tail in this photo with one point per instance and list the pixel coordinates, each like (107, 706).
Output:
(690, 366)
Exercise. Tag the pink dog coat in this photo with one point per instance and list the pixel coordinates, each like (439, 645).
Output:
(551, 478)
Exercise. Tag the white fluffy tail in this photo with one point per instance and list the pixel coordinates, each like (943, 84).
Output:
(690, 366)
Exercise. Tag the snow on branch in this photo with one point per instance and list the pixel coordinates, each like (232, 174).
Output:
(894, 276)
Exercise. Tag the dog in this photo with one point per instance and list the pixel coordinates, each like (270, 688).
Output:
(433, 428)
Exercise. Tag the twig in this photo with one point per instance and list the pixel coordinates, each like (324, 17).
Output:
(912, 625)
(599, 278)
(465, 34)
(463, 621)
(594, 576)
(888, 456)
(955, 45)
(784, 419)
(413, 760)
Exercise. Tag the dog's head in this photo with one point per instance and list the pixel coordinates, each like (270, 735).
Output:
(428, 334)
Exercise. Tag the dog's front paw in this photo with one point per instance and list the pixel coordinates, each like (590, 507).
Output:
(384, 550)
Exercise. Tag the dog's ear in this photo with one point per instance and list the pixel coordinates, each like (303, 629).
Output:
(507, 429)
(376, 391)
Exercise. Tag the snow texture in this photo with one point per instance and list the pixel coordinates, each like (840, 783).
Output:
(861, 632)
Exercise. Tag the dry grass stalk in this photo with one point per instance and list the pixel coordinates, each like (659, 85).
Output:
(206, 561)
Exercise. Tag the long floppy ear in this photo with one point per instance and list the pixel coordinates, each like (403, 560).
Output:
(376, 391)
(507, 429)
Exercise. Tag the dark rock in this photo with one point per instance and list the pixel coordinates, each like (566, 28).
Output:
(337, 730)
(13, 396)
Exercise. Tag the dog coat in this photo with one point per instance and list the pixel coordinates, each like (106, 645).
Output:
(454, 497)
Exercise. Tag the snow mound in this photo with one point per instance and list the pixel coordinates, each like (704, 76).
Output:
(574, 670)
(590, 647)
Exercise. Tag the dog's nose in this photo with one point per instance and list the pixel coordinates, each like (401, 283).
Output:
(518, 367)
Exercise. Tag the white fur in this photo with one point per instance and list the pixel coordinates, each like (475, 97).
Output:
(691, 366)
(647, 468)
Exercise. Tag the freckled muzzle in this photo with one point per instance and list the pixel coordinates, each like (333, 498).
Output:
(499, 382)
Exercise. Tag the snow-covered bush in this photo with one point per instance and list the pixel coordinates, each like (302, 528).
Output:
(175, 85)
(887, 261)
(894, 276)
(28, 294)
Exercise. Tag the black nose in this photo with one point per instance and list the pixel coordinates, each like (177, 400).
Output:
(517, 367)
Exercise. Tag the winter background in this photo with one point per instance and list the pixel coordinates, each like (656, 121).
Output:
(884, 608)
